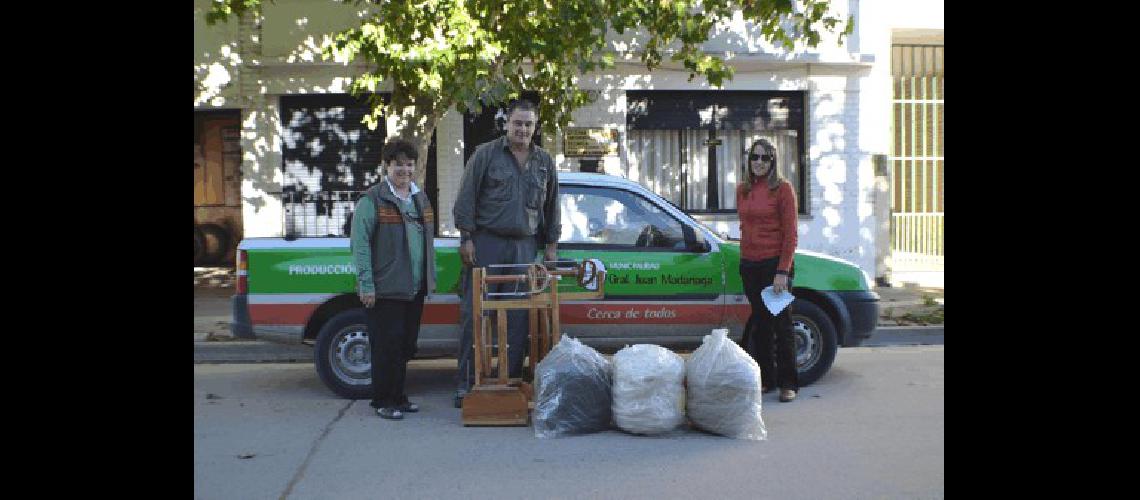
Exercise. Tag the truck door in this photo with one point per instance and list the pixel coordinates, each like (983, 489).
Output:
(659, 289)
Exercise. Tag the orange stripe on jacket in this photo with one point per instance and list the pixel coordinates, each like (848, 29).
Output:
(389, 215)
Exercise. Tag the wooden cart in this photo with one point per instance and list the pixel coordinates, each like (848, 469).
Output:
(500, 400)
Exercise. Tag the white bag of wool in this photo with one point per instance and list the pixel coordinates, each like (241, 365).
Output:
(723, 389)
(572, 391)
(649, 390)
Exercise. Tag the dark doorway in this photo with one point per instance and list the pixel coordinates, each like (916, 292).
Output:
(217, 186)
(588, 165)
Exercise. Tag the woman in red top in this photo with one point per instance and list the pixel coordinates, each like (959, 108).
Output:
(766, 204)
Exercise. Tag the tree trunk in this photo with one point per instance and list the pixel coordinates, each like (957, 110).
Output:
(414, 121)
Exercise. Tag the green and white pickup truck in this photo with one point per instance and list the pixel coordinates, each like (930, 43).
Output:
(670, 280)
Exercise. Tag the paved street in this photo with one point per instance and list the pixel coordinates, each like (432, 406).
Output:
(871, 428)
(265, 427)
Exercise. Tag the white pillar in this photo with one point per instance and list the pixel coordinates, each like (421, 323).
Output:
(261, 175)
(448, 167)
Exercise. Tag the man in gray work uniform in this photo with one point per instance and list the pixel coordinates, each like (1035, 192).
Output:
(507, 205)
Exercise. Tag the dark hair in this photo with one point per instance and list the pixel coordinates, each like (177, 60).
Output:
(396, 146)
(774, 177)
(523, 105)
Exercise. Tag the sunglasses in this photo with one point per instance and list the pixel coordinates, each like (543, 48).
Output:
(754, 157)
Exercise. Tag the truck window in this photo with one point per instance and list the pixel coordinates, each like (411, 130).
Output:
(617, 219)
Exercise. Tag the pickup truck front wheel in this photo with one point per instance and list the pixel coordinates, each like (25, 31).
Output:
(343, 356)
(816, 341)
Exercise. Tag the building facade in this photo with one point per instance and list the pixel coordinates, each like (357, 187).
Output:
(304, 156)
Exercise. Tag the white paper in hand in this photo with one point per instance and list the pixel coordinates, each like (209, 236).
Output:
(776, 302)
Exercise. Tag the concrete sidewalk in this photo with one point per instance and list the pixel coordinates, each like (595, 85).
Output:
(212, 312)
(911, 305)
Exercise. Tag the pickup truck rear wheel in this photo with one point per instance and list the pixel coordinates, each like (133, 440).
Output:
(343, 357)
(816, 341)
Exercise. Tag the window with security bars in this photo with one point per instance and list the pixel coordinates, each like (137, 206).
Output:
(320, 214)
(917, 152)
(329, 160)
(675, 164)
(690, 146)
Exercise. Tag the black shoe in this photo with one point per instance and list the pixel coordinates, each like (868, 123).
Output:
(409, 407)
(390, 413)
(459, 398)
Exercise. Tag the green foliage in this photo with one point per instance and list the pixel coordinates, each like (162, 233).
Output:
(223, 9)
(932, 317)
(466, 54)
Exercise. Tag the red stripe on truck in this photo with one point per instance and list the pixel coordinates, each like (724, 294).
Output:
(281, 314)
(441, 314)
(739, 312)
(299, 314)
(616, 313)
(641, 314)
(575, 314)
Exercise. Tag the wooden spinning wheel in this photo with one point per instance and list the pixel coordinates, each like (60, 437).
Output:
(499, 399)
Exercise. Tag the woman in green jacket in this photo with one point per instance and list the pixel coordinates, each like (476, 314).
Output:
(392, 248)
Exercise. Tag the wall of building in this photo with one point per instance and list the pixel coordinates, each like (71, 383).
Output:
(217, 61)
(449, 164)
(885, 22)
(841, 219)
(848, 92)
(740, 38)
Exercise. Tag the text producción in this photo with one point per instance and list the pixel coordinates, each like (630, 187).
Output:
(321, 269)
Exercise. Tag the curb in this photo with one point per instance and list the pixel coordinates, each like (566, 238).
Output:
(906, 335)
(255, 351)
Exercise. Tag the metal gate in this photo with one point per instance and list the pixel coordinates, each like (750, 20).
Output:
(329, 160)
(917, 158)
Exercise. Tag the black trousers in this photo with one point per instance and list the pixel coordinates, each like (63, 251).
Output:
(763, 329)
(393, 329)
